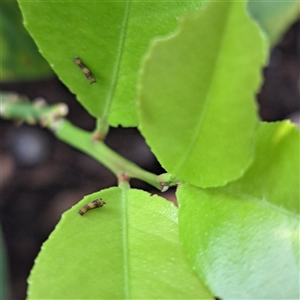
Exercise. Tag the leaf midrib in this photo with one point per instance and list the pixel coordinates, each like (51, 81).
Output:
(113, 85)
(206, 102)
(124, 231)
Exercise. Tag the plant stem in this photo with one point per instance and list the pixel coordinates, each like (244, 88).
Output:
(84, 141)
(101, 130)
(15, 106)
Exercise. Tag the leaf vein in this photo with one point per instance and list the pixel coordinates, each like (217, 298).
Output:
(116, 70)
(202, 116)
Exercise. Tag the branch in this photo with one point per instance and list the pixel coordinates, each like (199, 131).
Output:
(14, 106)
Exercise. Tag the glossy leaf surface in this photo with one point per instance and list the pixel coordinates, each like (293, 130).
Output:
(127, 249)
(275, 173)
(196, 97)
(243, 239)
(110, 37)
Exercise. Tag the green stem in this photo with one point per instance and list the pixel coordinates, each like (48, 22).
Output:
(83, 141)
(101, 130)
(15, 106)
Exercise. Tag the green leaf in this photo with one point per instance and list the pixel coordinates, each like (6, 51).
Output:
(110, 37)
(127, 249)
(243, 239)
(274, 17)
(274, 175)
(196, 99)
(20, 59)
(3, 270)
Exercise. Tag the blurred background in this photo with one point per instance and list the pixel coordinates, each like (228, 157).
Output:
(42, 177)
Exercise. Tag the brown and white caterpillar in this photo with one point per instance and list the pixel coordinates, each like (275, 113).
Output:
(88, 74)
(94, 204)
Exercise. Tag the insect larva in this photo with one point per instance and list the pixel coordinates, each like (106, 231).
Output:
(91, 205)
(88, 74)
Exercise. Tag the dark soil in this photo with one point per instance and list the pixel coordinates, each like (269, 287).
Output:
(37, 188)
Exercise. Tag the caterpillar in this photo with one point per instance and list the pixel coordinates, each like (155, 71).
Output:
(88, 74)
(91, 205)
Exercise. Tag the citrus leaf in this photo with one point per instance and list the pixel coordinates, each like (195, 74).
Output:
(274, 175)
(196, 97)
(127, 249)
(243, 239)
(109, 37)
